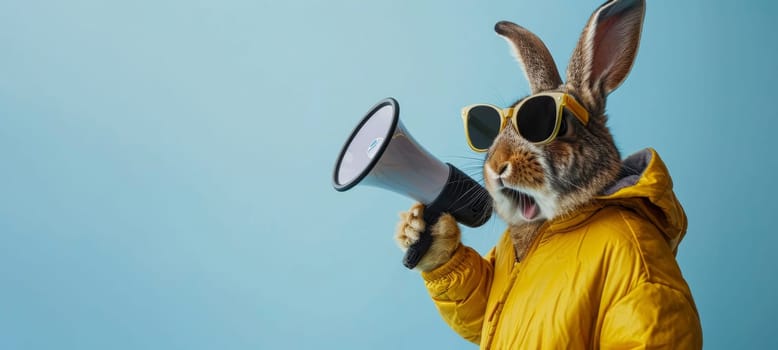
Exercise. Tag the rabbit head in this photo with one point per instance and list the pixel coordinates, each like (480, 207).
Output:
(536, 182)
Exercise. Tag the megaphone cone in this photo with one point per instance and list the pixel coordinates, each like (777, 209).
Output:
(381, 153)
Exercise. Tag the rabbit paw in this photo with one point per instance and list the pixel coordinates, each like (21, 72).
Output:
(410, 227)
(445, 236)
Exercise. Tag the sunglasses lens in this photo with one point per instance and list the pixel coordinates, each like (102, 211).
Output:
(537, 118)
(483, 125)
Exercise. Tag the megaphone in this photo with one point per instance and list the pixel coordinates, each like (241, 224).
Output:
(381, 153)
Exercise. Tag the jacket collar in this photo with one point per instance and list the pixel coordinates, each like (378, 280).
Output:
(644, 185)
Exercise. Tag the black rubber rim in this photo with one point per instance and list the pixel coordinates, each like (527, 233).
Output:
(395, 118)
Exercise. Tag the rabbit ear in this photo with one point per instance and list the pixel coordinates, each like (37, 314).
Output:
(532, 54)
(606, 50)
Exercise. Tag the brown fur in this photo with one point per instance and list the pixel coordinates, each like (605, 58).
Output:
(533, 56)
(567, 173)
(521, 165)
(604, 54)
(522, 237)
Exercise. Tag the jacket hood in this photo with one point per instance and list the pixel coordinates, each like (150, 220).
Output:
(644, 185)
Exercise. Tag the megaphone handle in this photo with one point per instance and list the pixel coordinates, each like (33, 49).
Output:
(417, 250)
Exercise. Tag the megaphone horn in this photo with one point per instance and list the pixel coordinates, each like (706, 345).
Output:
(381, 153)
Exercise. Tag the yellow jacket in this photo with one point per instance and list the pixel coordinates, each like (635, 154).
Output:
(605, 277)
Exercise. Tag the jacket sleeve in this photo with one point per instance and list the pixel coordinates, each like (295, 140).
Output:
(652, 316)
(460, 289)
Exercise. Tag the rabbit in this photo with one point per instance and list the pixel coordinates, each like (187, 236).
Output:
(555, 179)
(588, 259)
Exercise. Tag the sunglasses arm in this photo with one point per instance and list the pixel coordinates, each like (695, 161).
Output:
(578, 110)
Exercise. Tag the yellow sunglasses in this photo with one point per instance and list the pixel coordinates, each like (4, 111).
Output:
(537, 119)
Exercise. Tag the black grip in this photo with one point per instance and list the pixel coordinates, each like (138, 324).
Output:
(417, 250)
(463, 198)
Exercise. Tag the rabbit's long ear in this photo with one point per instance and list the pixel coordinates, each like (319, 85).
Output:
(606, 50)
(533, 55)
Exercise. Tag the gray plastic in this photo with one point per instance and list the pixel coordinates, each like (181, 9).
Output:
(404, 167)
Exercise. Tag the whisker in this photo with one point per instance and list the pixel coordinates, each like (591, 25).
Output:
(474, 174)
(480, 159)
(500, 98)
(479, 195)
(472, 166)
(568, 182)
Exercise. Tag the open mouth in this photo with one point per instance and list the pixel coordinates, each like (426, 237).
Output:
(526, 204)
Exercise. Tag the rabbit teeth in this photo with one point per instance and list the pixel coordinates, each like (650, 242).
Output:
(525, 203)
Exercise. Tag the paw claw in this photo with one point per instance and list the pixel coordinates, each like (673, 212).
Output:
(410, 227)
(412, 234)
(417, 210)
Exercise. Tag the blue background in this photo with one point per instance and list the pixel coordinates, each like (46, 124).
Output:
(165, 165)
